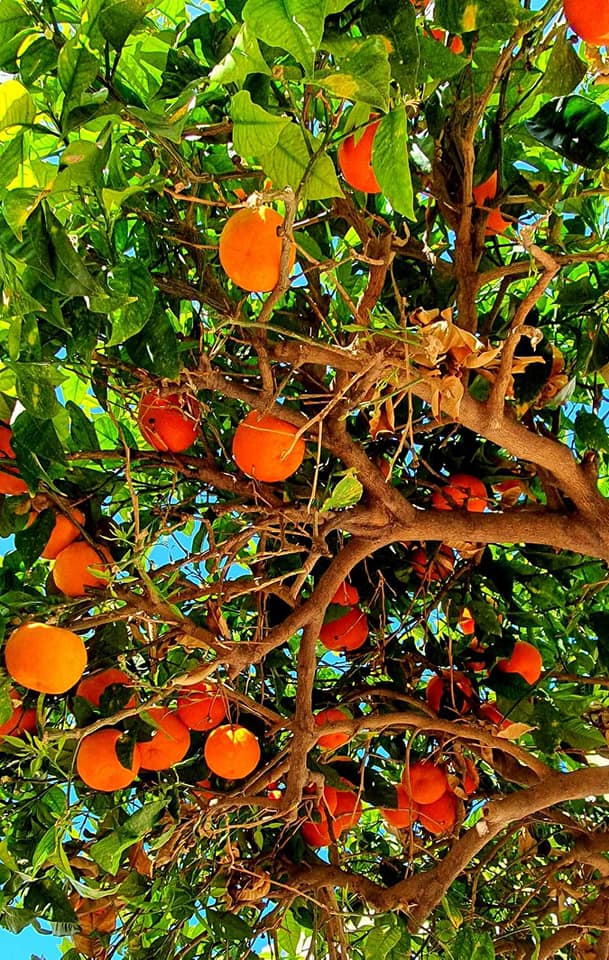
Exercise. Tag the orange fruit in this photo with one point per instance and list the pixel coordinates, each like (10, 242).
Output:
(98, 765)
(92, 687)
(201, 707)
(355, 160)
(589, 19)
(316, 834)
(232, 751)
(20, 720)
(71, 570)
(10, 481)
(170, 741)
(425, 781)
(265, 449)
(406, 812)
(250, 249)
(462, 490)
(524, 660)
(450, 693)
(63, 534)
(466, 622)
(346, 595)
(484, 194)
(436, 568)
(490, 713)
(330, 741)
(168, 423)
(456, 44)
(440, 816)
(347, 633)
(45, 658)
(347, 811)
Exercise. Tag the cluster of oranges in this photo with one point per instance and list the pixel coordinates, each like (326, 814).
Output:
(52, 660)
(348, 631)
(265, 448)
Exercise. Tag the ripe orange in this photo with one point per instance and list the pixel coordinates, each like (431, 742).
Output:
(232, 751)
(524, 660)
(440, 816)
(20, 720)
(201, 707)
(406, 812)
(316, 833)
(436, 568)
(466, 622)
(330, 741)
(425, 781)
(589, 19)
(10, 481)
(92, 687)
(462, 490)
(63, 534)
(250, 249)
(264, 447)
(347, 811)
(347, 633)
(346, 595)
(168, 423)
(450, 693)
(355, 160)
(484, 194)
(170, 741)
(98, 765)
(490, 713)
(456, 44)
(45, 658)
(71, 573)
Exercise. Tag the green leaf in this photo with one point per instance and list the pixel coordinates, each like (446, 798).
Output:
(564, 70)
(293, 25)
(107, 852)
(13, 20)
(155, 348)
(36, 383)
(361, 72)
(31, 541)
(76, 70)
(131, 280)
(485, 616)
(471, 945)
(288, 163)
(227, 926)
(591, 432)
(118, 20)
(574, 127)
(82, 431)
(438, 63)
(243, 59)
(16, 105)
(465, 16)
(390, 162)
(255, 131)
(19, 204)
(347, 492)
(45, 848)
(384, 936)
(71, 275)
(396, 22)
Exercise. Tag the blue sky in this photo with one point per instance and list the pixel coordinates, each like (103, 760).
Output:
(29, 944)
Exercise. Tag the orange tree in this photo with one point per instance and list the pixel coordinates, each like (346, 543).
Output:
(319, 476)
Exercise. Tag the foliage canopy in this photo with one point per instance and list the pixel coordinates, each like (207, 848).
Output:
(420, 335)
